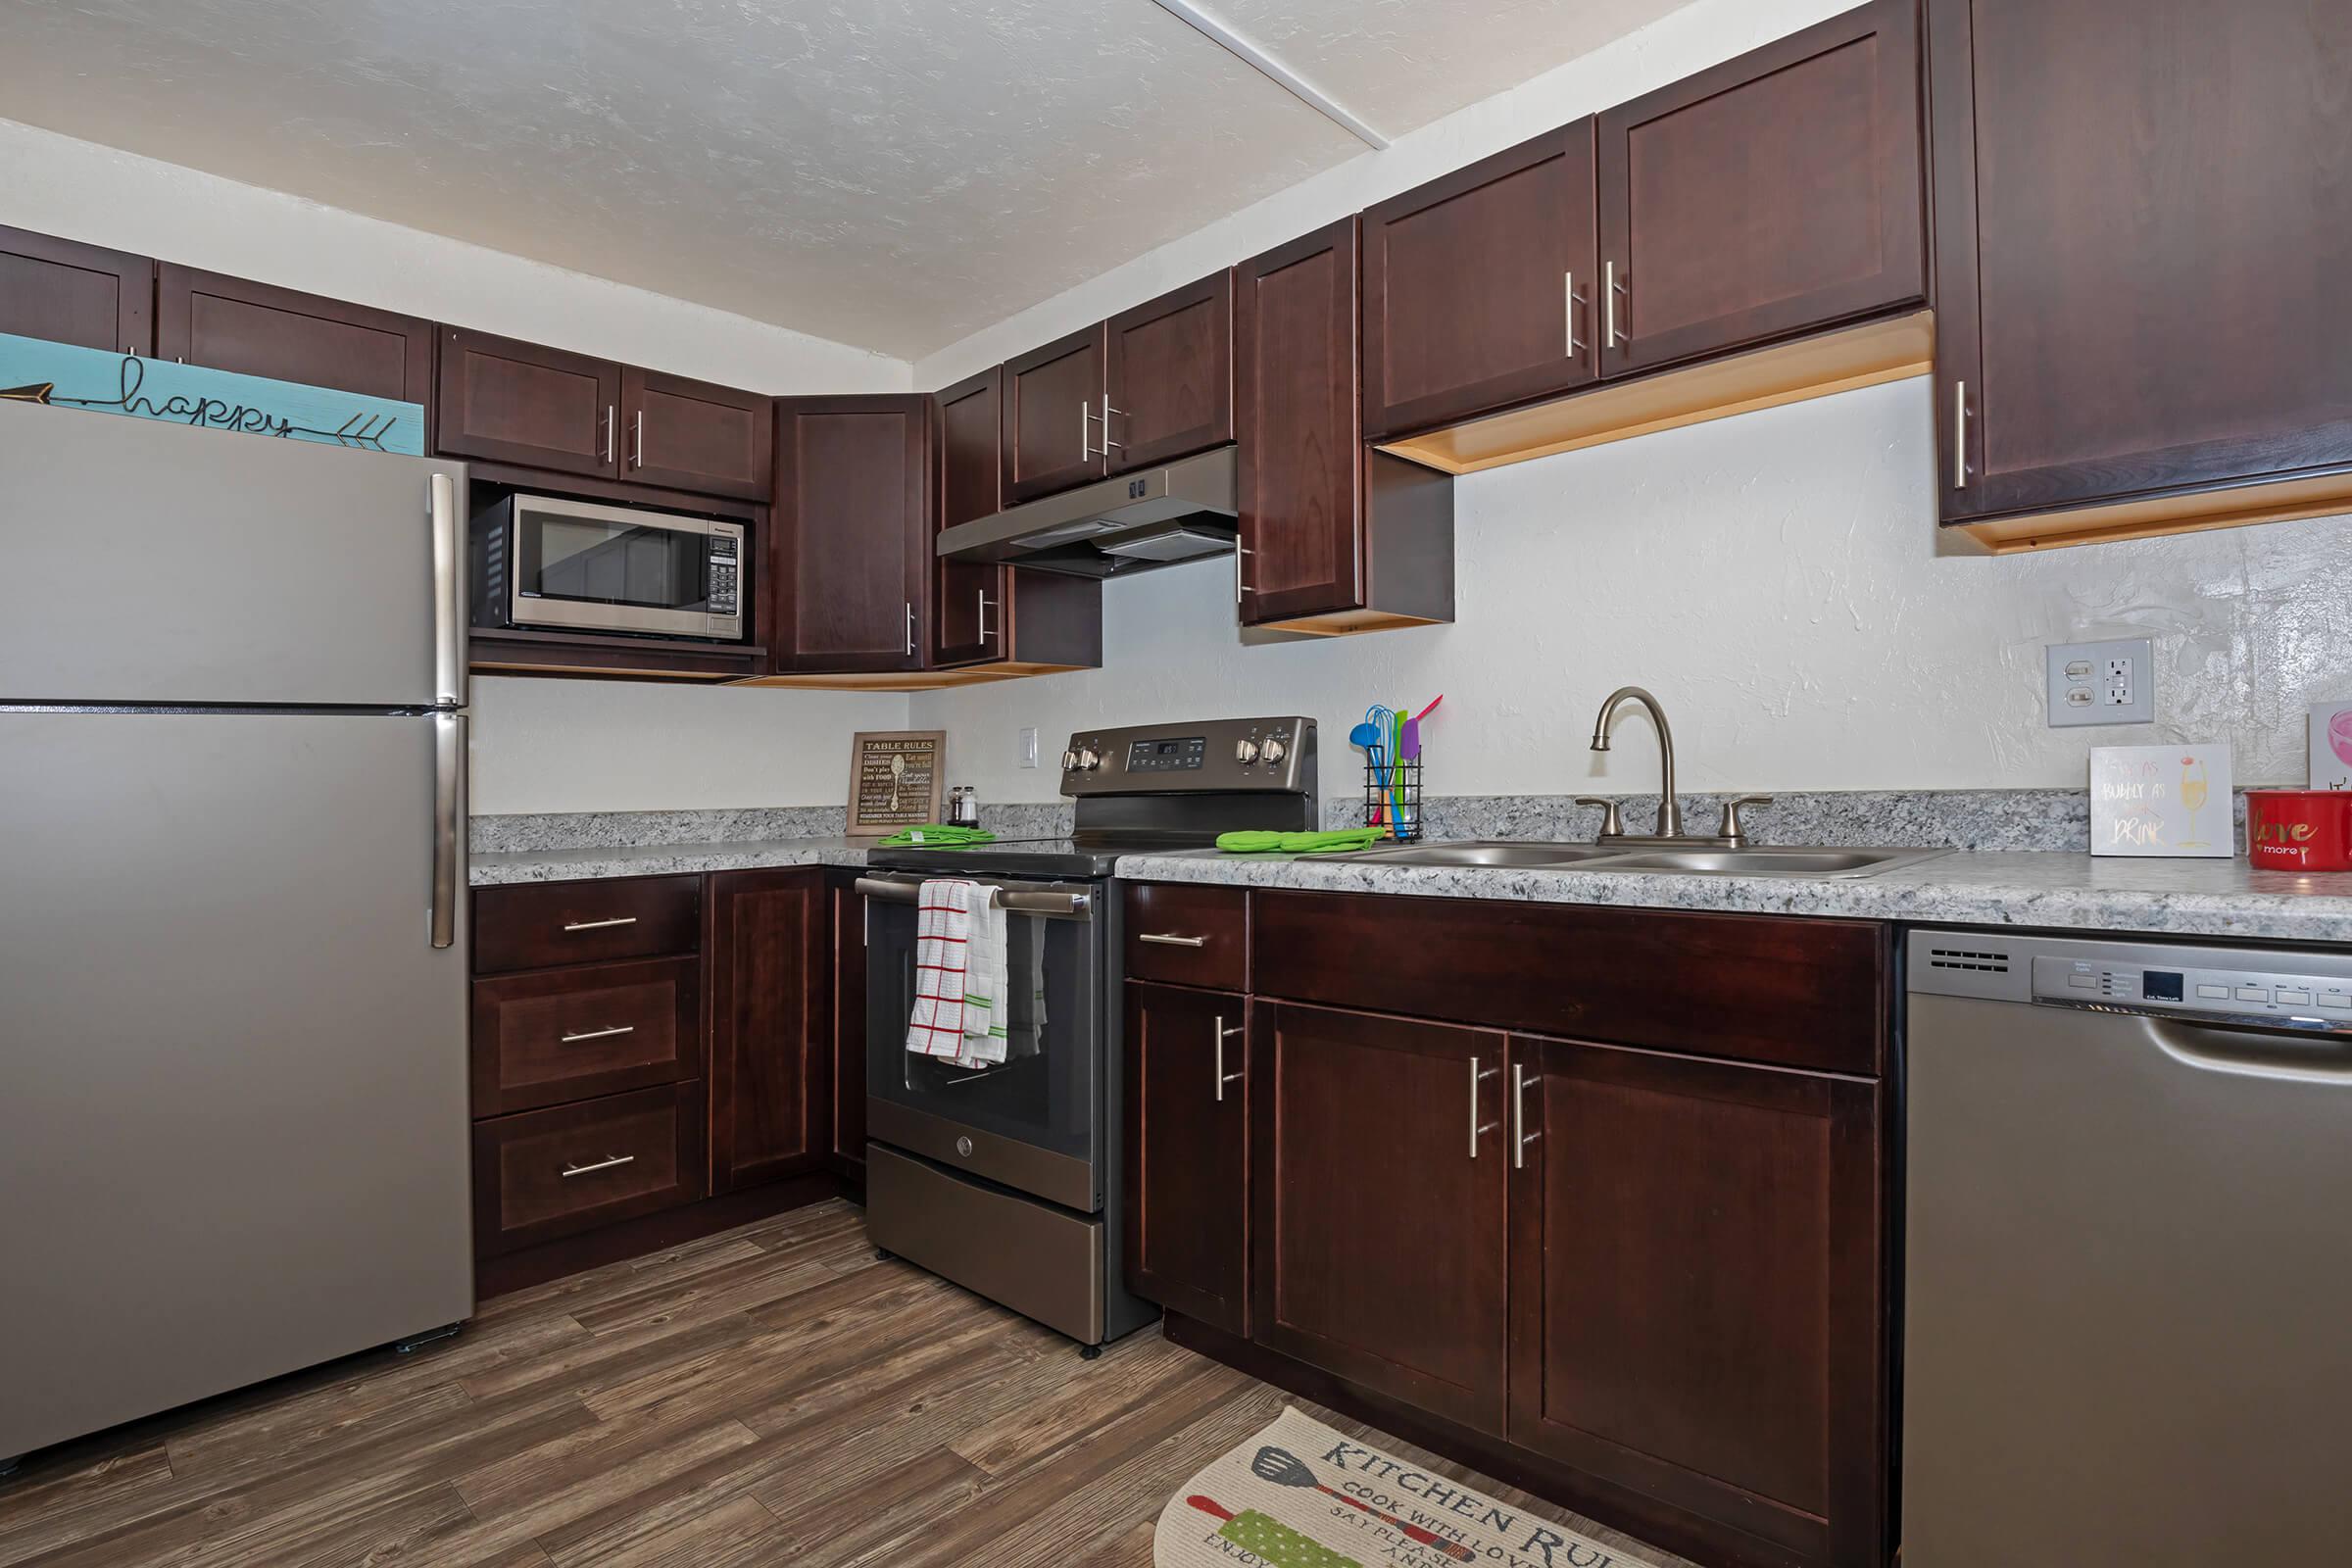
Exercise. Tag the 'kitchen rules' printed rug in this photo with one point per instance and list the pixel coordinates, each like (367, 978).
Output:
(1300, 1496)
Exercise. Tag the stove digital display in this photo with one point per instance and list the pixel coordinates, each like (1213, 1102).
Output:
(1182, 753)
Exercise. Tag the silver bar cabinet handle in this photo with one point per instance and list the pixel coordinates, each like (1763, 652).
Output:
(1572, 301)
(637, 441)
(599, 1033)
(1477, 1130)
(1108, 442)
(1959, 436)
(602, 1164)
(1224, 1077)
(1520, 1137)
(449, 821)
(611, 421)
(1239, 587)
(910, 628)
(983, 596)
(598, 925)
(1086, 412)
(449, 591)
(1612, 288)
(1168, 939)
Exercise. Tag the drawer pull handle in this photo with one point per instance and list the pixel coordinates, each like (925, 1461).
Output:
(599, 1034)
(1167, 939)
(598, 925)
(602, 1164)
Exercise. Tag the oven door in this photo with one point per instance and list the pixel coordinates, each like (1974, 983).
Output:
(576, 565)
(1033, 1122)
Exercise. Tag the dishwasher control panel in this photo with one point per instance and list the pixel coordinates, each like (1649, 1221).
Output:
(2266, 996)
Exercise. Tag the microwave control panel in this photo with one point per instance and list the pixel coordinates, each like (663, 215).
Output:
(726, 550)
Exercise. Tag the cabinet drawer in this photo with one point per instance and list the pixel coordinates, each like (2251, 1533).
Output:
(539, 924)
(574, 1034)
(1191, 936)
(548, 1173)
(1796, 993)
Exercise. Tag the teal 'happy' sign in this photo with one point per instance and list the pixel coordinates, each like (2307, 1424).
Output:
(67, 376)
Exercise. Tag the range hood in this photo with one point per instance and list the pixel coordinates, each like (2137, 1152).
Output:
(1151, 517)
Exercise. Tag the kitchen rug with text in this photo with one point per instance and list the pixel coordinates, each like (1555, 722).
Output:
(1300, 1496)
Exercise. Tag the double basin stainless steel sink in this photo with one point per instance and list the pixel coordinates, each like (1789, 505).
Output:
(1522, 855)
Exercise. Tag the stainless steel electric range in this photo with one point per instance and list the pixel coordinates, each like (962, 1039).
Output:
(1005, 1179)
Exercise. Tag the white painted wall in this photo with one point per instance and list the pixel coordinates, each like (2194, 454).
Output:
(538, 745)
(1774, 579)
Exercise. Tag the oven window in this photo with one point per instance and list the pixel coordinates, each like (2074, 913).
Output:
(594, 562)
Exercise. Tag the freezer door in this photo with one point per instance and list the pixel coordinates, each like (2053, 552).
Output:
(151, 563)
(233, 1120)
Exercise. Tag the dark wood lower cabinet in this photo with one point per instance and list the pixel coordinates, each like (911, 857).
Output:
(1188, 1152)
(1378, 1195)
(1695, 1287)
(768, 951)
(550, 1173)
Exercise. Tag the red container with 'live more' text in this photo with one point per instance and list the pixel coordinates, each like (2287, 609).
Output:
(2299, 830)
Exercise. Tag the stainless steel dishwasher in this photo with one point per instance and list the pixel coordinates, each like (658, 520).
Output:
(2128, 1328)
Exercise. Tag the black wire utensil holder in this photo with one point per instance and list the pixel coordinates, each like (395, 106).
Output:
(1392, 799)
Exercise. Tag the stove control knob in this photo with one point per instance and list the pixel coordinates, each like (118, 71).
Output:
(1069, 762)
(1088, 761)
(1245, 751)
(1275, 749)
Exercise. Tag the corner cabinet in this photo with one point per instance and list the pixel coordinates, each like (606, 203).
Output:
(850, 548)
(1333, 537)
(2141, 222)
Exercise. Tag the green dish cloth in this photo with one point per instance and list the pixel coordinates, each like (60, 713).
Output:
(939, 836)
(1259, 842)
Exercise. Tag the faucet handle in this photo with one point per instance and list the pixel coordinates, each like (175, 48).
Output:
(1611, 825)
(1730, 830)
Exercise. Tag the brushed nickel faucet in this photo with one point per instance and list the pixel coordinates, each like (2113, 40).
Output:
(1730, 835)
(1670, 810)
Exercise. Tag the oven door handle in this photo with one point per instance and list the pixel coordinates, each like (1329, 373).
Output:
(1013, 900)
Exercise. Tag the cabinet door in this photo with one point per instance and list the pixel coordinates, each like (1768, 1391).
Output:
(68, 292)
(967, 605)
(252, 328)
(1053, 416)
(1167, 376)
(1480, 288)
(847, 1008)
(1295, 406)
(522, 403)
(770, 1033)
(1696, 1288)
(2140, 226)
(1379, 1184)
(692, 435)
(1771, 195)
(851, 546)
(1188, 1153)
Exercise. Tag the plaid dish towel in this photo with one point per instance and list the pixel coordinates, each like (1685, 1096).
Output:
(943, 930)
(986, 989)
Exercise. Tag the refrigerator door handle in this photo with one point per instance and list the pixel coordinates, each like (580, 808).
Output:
(449, 810)
(448, 605)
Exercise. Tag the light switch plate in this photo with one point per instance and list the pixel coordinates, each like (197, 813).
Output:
(1029, 746)
(2102, 683)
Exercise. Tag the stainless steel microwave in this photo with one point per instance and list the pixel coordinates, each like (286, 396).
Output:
(552, 565)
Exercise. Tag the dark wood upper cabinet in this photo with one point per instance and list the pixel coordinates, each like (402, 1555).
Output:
(68, 292)
(1378, 1175)
(2141, 224)
(1053, 416)
(967, 608)
(1482, 288)
(257, 329)
(1772, 195)
(849, 547)
(523, 403)
(692, 435)
(770, 955)
(1167, 376)
(1188, 1153)
(1333, 537)
(1698, 1312)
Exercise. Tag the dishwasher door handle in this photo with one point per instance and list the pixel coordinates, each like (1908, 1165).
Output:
(2284, 1055)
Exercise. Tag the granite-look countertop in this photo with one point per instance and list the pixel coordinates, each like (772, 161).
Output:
(2046, 889)
(498, 869)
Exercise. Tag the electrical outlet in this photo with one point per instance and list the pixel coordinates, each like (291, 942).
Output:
(2102, 683)
(1029, 746)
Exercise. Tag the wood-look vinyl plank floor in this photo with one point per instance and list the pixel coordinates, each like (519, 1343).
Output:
(770, 1395)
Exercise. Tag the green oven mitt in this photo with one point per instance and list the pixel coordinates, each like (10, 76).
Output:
(1261, 842)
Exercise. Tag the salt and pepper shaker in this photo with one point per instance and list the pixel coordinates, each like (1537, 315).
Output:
(963, 807)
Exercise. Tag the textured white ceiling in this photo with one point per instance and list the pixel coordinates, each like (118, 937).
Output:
(890, 174)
